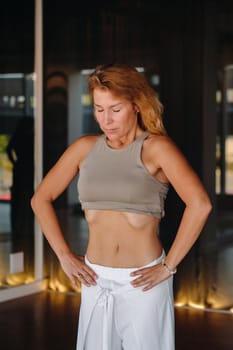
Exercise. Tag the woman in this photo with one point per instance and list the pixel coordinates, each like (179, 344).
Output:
(124, 176)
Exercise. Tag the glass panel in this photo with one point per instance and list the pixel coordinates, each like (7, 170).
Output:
(224, 142)
(221, 294)
(16, 145)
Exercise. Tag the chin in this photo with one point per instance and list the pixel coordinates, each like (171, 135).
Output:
(112, 134)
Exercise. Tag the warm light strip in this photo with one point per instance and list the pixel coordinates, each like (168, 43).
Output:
(220, 311)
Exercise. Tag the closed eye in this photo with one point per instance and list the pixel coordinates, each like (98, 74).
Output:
(116, 110)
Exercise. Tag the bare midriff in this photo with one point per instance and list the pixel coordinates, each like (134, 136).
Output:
(122, 239)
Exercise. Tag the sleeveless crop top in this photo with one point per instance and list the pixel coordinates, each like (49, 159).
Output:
(116, 179)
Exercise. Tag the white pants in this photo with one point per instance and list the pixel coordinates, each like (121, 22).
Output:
(114, 315)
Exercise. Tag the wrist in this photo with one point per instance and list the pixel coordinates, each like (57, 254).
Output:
(168, 269)
(64, 253)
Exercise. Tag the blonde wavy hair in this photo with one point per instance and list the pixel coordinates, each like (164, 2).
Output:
(124, 80)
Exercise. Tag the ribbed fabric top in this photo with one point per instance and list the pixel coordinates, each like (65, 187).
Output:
(116, 179)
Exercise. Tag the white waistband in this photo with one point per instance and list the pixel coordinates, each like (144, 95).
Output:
(120, 273)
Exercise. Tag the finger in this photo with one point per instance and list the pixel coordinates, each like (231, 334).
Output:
(138, 272)
(148, 287)
(153, 283)
(142, 271)
(85, 278)
(73, 281)
(86, 269)
(145, 282)
(89, 278)
(139, 281)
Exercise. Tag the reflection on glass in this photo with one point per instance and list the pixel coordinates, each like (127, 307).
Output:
(5, 169)
(218, 168)
(224, 142)
(221, 292)
(16, 178)
(229, 163)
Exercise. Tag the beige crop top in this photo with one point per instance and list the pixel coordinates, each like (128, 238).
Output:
(116, 179)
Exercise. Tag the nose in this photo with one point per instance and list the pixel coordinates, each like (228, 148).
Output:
(107, 117)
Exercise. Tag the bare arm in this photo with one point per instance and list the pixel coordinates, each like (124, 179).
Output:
(174, 168)
(190, 189)
(54, 183)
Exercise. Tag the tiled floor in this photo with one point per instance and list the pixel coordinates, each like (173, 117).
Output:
(48, 321)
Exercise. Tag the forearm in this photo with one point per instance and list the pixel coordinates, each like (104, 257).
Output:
(46, 216)
(191, 225)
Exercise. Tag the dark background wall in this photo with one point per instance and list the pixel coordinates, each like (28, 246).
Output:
(176, 40)
(186, 43)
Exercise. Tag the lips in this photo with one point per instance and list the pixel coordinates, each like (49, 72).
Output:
(109, 131)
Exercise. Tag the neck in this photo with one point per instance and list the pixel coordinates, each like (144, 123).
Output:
(126, 139)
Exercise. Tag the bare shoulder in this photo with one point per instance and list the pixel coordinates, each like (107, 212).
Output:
(86, 140)
(167, 156)
(82, 145)
(164, 152)
(160, 144)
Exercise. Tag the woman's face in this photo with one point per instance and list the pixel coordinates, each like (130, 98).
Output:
(116, 116)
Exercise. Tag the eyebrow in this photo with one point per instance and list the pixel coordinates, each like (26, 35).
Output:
(116, 104)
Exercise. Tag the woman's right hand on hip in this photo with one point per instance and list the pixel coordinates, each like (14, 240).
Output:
(75, 268)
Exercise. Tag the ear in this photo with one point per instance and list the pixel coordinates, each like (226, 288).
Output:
(136, 109)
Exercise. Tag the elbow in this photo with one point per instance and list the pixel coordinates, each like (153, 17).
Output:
(205, 207)
(208, 208)
(36, 201)
(39, 200)
(201, 206)
(33, 202)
